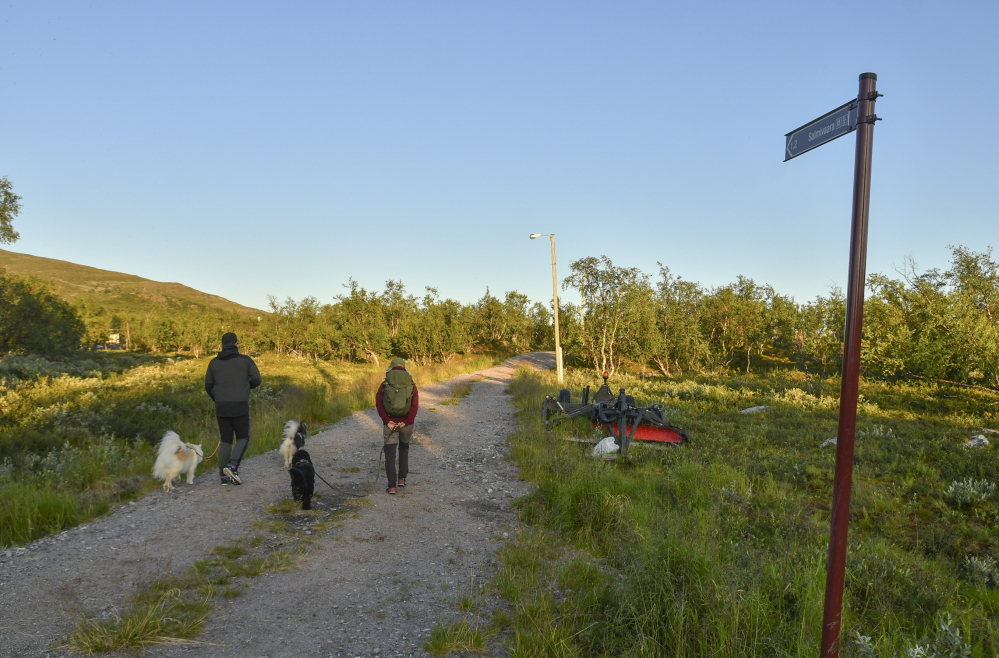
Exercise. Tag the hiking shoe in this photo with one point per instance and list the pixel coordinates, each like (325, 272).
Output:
(402, 483)
(230, 470)
(226, 480)
(391, 491)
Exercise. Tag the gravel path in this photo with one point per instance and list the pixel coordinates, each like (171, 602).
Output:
(372, 587)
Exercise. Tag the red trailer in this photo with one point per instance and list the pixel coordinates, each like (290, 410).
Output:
(617, 414)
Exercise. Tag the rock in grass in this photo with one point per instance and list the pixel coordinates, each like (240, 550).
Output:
(606, 447)
(978, 441)
(756, 410)
(828, 442)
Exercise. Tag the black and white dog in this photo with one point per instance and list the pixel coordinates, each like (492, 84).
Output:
(293, 439)
(303, 478)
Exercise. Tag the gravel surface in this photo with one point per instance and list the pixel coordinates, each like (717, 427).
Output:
(374, 586)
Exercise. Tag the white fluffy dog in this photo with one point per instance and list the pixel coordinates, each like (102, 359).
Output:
(293, 440)
(175, 458)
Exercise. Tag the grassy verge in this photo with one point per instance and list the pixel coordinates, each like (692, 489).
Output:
(459, 391)
(173, 610)
(459, 636)
(476, 627)
(718, 548)
(77, 438)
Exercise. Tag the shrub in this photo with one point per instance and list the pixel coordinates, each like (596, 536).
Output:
(34, 321)
(970, 491)
(982, 570)
(948, 642)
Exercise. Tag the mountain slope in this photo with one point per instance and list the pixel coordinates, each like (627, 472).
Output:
(117, 292)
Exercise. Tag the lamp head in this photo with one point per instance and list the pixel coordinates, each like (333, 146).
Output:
(535, 235)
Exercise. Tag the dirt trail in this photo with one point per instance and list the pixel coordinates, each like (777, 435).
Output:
(374, 586)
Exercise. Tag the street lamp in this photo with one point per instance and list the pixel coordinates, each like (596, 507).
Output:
(558, 347)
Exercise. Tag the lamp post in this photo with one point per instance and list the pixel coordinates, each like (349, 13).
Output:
(558, 347)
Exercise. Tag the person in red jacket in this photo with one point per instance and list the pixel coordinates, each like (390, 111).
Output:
(398, 430)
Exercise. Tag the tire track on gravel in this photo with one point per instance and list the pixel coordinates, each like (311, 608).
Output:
(374, 586)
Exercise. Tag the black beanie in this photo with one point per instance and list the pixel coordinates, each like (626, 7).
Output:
(229, 339)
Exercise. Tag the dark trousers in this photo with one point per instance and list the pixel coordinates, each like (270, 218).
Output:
(401, 438)
(390, 473)
(234, 426)
(230, 427)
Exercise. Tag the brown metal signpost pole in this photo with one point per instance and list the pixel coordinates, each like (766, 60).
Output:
(851, 369)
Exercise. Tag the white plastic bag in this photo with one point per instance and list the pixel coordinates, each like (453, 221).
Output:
(605, 447)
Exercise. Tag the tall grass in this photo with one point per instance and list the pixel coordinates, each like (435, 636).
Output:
(459, 636)
(75, 444)
(154, 618)
(717, 548)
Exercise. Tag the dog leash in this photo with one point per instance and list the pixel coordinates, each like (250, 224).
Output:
(334, 488)
(216, 450)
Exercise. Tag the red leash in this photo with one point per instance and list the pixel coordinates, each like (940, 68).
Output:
(216, 450)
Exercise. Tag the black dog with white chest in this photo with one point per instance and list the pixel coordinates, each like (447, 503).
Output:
(303, 478)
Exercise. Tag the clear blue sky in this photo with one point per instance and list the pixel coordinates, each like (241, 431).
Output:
(248, 149)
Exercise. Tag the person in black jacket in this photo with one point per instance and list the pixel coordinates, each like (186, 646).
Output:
(228, 381)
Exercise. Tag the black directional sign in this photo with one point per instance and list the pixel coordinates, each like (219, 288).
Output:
(825, 129)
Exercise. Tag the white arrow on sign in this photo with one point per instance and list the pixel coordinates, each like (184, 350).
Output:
(791, 145)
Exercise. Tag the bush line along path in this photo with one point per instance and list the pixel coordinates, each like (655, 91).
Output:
(375, 585)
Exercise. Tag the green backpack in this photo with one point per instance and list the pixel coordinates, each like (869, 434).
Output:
(397, 395)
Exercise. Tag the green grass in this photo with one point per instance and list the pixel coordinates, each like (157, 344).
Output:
(460, 636)
(77, 437)
(460, 390)
(159, 617)
(718, 547)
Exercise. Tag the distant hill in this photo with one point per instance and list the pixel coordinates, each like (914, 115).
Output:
(119, 293)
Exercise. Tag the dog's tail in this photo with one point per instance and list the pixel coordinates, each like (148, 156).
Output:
(290, 429)
(169, 443)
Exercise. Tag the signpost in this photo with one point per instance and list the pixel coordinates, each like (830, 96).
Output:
(825, 129)
(856, 115)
